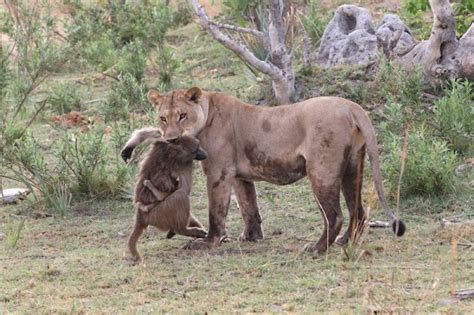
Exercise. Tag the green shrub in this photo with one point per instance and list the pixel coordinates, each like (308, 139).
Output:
(429, 164)
(464, 15)
(63, 98)
(132, 61)
(167, 66)
(181, 14)
(454, 116)
(84, 154)
(412, 13)
(399, 85)
(100, 52)
(125, 96)
(314, 21)
(49, 183)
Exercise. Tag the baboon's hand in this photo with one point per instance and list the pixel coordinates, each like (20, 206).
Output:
(147, 183)
(126, 153)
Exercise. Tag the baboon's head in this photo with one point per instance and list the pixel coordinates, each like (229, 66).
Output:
(186, 149)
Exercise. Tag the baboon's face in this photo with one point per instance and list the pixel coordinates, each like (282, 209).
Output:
(181, 112)
(188, 149)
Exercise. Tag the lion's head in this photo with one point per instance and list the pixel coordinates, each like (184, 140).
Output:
(180, 112)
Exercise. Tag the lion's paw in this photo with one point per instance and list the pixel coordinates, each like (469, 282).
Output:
(256, 234)
(313, 247)
(342, 240)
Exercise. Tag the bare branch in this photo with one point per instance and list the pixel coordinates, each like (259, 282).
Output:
(239, 29)
(241, 50)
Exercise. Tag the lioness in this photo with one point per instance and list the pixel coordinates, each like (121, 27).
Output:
(324, 138)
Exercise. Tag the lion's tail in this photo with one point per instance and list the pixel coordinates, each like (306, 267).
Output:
(367, 129)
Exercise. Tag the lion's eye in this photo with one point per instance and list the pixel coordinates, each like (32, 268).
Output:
(163, 119)
(182, 116)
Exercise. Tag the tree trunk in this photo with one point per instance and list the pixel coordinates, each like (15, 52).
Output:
(442, 55)
(278, 66)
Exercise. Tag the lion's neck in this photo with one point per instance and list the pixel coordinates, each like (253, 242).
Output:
(226, 106)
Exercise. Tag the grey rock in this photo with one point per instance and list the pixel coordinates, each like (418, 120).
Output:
(389, 37)
(348, 38)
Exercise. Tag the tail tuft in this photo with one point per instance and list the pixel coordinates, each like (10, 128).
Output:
(398, 227)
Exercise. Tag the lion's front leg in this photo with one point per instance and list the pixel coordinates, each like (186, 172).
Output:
(218, 191)
(247, 199)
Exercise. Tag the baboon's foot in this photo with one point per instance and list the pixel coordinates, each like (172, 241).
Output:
(252, 233)
(133, 260)
(204, 243)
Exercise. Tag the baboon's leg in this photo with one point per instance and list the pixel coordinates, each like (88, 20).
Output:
(134, 236)
(194, 222)
(351, 188)
(247, 199)
(193, 232)
(194, 229)
(159, 195)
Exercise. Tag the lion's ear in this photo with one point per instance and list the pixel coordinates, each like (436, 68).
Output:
(153, 96)
(193, 94)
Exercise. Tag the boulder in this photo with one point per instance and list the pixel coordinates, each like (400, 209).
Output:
(348, 38)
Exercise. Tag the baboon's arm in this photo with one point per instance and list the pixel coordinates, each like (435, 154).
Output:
(184, 184)
(138, 137)
(159, 195)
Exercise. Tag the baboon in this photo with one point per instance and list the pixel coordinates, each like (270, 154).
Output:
(162, 191)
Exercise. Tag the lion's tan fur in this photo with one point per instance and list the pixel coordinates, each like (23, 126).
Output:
(323, 138)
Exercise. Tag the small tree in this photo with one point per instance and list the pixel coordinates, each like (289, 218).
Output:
(278, 66)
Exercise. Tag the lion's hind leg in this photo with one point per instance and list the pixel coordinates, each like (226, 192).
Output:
(351, 188)
(325, 181)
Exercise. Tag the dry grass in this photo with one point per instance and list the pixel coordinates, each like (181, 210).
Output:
(77, 264)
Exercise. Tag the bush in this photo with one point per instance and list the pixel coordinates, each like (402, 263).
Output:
(126, 95)
(412, 13)
(100, 52)
(399, 85)
(167, 66)
(429, 164)
(132, 61)
(314, 21)
(454, 116)
(182, 14)
(26, 161)
(87, 158)
(64, 98)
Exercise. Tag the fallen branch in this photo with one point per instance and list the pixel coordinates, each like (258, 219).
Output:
(378, 224)
(455, 222)
(464, 294)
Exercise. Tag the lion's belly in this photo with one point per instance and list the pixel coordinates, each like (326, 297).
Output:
(256, 165)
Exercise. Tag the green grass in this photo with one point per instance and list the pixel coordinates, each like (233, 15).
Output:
(78, 264)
